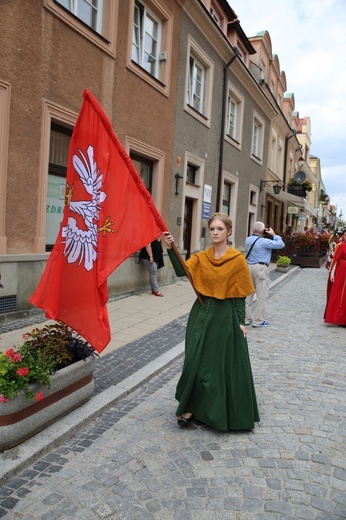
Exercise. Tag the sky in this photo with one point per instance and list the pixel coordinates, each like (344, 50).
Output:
(309, 38)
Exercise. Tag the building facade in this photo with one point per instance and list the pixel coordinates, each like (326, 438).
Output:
(201, 109)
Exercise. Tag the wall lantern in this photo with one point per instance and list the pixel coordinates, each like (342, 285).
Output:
(276, 188)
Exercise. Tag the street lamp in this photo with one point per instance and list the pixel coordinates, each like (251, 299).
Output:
(276, 188)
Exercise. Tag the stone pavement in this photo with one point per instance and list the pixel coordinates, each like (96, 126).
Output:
(133, 462)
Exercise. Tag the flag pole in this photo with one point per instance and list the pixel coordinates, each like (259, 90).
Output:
(187, 272)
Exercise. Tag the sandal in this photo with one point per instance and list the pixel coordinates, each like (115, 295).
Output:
(184, 421)
(156, 293)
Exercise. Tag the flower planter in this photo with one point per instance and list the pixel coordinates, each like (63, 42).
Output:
(296, 189)
(21, 418)
(282, 268)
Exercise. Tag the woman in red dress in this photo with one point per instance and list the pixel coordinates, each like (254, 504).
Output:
(335, 311)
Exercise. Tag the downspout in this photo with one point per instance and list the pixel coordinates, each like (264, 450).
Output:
(223, 115)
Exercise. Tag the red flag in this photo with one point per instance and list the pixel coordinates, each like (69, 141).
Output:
(108, 215)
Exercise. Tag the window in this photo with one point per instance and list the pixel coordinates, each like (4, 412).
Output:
(234, 119)
(231, 118)
(57, 168)
(257, 138)
(89, 12)
(149, 162)
(229, 197)
(199, 83)
(253, 197)
(195, 87)
(150, 38)
(144, 168)
(280, 158)
(226, 198)
(146, 39)
(95, 20)
(191, 174)
(215, 16)
(273, 152)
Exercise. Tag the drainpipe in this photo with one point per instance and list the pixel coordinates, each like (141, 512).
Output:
(223, 115)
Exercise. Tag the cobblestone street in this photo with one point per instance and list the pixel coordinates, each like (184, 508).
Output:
(133, 462)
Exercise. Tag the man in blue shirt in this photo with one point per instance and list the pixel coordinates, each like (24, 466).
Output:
(258, 255)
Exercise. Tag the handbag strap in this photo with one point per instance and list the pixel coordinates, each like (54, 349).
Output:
(253, 243)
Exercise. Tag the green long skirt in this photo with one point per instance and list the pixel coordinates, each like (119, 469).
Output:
(216, 383)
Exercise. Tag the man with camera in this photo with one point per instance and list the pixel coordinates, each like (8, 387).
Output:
(258, 255)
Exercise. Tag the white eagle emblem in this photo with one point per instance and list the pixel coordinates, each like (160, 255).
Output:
(81, 244)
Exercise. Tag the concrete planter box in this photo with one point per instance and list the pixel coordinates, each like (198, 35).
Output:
(21, 418)
(308, 261)
(282, 268)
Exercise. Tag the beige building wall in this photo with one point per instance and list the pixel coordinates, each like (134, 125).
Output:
(48, 57)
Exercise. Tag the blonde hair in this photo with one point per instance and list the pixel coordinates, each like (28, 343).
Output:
(223, 217)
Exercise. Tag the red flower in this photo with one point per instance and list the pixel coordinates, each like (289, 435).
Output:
(9, 353)
(3, 399)
(39, 396)
(22, 371)
(17, 357)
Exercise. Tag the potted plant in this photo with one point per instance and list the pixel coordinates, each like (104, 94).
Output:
(46, 377)
(282, 263)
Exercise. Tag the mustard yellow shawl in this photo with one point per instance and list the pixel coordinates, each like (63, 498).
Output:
(226, 277)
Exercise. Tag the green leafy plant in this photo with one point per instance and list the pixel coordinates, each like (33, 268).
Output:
(43, 352)
(283, 260)
(307, 185)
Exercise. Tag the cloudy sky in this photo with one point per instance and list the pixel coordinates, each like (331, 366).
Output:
(309, 38)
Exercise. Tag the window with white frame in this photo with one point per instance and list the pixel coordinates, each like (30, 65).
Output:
(273, 152)
(234, 119)
(280, 158)
(89, 12)
(257, 138)
(195, 87)
(146, 39)
(214, 15)
(199, 82)
(95, 20)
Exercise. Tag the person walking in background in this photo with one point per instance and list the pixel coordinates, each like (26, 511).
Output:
(333, 241)
(152, 257)
(258, 256)
(216, 385)
(335, 311)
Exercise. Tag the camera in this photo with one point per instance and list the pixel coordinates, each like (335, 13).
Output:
(266, 234)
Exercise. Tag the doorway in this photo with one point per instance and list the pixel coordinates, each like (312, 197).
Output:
(188, 212)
